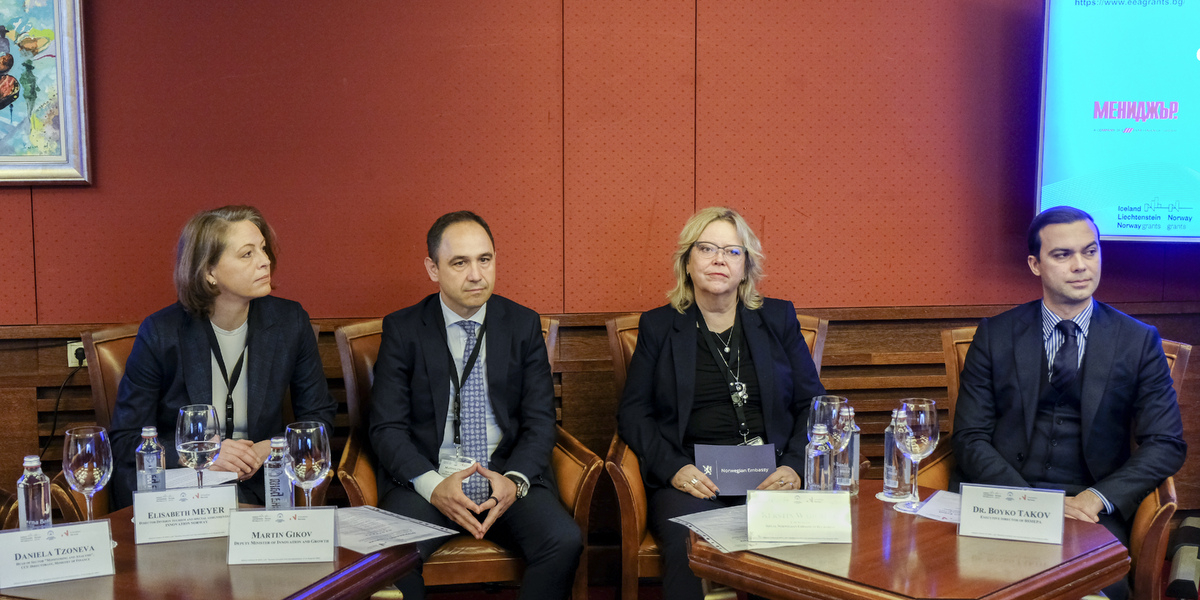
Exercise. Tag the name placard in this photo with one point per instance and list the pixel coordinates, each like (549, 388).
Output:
(798, 517)
(283, 536)
(183, 514)
(736, 469)
(1006, 513)
(74, 551)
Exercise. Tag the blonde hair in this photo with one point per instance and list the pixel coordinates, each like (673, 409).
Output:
(201, 244)
(684, 294)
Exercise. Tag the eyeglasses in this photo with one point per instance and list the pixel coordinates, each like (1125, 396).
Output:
(708, 251)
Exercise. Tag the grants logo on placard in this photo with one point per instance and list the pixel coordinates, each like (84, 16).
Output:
(1137, 111)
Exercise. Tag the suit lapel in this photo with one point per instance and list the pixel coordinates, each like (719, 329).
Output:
(1098, 356)
(437, 360)
(263, 337)
(498, 340)
(683, 349)
(1029, 351)
(196, 359)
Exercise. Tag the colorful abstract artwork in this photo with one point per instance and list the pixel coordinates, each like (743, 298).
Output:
(43, 133)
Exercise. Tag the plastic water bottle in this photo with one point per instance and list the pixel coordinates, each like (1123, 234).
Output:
(33, 495)
(891, 469)
(279, 489)
(848, 459)
(818, 462)
(151, 467)
(905, 477)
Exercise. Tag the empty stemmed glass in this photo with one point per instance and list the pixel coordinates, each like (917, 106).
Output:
(198, 438)
(87, 461)
(308, 456)
(916, 440)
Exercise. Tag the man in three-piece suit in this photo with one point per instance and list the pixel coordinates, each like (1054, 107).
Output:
(1053, 392)
(471, 452)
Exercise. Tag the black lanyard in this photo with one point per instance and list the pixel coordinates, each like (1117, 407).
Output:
(459, 382)
(737, 389)
(230, 383)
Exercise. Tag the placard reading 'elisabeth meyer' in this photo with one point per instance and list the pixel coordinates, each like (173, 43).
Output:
(1006, 513)
(184, 514)
(283, 536)
(74, 551)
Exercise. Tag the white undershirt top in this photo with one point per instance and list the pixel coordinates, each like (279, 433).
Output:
(233, 344)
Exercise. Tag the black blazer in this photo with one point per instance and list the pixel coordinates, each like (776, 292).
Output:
(171, 366)
(661, 384)
(1127, 395)
(410, 397)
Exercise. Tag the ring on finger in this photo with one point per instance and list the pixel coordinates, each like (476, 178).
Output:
(694, 481)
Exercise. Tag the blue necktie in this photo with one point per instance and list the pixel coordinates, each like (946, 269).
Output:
(1066, 360)
(473, 416)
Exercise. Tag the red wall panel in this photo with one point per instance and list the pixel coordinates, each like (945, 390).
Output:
(352, 130)
(885, 153)
(629, 73)
(18, 300)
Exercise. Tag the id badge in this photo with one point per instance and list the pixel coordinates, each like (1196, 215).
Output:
(451, 463)
(754, 441)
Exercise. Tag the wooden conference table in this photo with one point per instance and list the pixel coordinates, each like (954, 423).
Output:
(899, 556)
(197, 569)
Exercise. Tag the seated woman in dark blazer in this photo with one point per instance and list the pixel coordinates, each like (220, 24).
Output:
(223, 269)
(677, 394)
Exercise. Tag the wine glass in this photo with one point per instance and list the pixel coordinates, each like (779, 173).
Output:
(826, 410)
(916, 440)
(308, 456)
(87, 461)
(198, 438)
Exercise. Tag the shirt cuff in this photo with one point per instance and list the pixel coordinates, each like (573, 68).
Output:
(425, 484)
(520, 475)
(1108, 508)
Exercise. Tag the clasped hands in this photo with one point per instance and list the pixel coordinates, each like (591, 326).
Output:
(690, 480)
(242, 457)
(449, 498)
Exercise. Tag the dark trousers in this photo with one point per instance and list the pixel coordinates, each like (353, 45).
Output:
(536, 525)
(679, 582)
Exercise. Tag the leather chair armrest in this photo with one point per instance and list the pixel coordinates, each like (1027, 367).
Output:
(577, 470)
(936, 470)
(356, 471)
(1148, 540)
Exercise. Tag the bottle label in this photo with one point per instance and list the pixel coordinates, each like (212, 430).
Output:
(152, 480)
(889, 477)
(279, 488)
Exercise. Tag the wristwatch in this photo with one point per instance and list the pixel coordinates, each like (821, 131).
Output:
(522, 487)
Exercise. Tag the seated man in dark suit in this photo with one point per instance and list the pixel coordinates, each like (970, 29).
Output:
(471, 452)
(1053, 391)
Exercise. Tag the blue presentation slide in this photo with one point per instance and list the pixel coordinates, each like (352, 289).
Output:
(1121, 115)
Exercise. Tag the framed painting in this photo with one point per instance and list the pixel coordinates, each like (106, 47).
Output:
(43, 107)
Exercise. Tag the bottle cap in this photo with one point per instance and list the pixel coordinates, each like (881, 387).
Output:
(279, 442)
(845, 410)
(32, 461)
(820, 429)
(149, 432)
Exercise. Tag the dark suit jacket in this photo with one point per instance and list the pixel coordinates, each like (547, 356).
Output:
(661, 384)
(171, 366)
(410, 397)
(1127, 395)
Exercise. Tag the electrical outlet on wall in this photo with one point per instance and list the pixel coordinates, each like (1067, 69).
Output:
(71, 361)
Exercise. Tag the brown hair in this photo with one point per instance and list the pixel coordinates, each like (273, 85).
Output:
(201, 244)
(684, 294)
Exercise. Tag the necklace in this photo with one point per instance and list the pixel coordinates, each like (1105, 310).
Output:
(725, 343)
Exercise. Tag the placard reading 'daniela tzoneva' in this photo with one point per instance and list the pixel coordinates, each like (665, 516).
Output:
(74, 551)
(183, 514)
(283, 536)
(1006, 513)
(798, 517)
